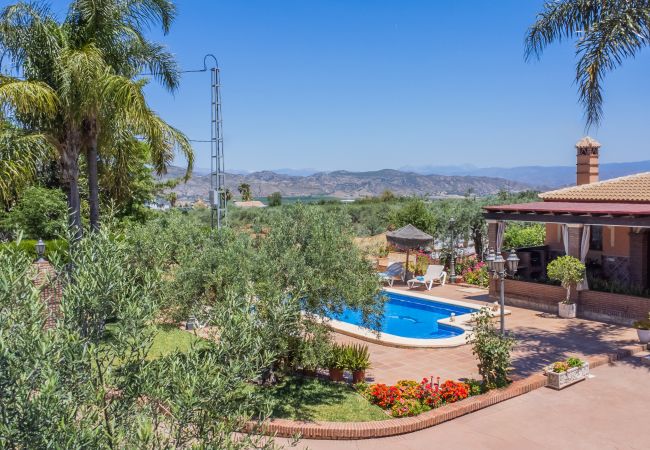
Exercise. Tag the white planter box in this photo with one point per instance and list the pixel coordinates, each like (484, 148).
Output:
(561, 380)
(567, 310)
(644, 336)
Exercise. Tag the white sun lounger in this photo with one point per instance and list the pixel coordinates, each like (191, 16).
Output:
(434, 273)
(394, 271)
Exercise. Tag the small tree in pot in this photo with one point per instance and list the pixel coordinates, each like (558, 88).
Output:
(643, 329)
(357, 359)
(337, 362)
(568, 271)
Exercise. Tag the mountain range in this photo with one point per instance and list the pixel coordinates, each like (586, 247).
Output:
(430, 181)
(345, 184)
(541, 177)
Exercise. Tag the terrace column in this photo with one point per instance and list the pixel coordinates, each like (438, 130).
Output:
(493, 231)
(575, 240)
(639, 257)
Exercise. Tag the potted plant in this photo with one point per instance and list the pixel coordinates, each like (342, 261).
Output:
(564, 373)
(337, 362)
(568, 271)
(643, 329)
(357, 361)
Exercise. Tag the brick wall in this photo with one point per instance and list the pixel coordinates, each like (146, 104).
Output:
(538, 296)
(594, 305)
(623, 309)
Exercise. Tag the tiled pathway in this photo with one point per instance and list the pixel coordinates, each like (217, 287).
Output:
(542, 339)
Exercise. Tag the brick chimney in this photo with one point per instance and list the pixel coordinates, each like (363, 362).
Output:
(587, 160)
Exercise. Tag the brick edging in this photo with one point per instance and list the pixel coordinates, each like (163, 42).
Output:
(392, 427)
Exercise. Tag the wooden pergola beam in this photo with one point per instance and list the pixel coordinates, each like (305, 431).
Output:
(607, 220)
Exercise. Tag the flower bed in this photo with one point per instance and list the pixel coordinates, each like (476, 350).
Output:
(476, 274)
(410, 398)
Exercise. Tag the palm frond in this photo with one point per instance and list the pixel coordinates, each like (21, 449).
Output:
(560, 20)
(27, 97)
(606, 32)
(21, 155)
(620, 35)
(165, 141)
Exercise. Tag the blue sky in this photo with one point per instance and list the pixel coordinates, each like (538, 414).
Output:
(363, 85)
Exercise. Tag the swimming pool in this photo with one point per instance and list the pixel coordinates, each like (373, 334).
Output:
(415, 317)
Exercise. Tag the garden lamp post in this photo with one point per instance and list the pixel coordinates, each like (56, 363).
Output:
(500, 268)
(452, 264)
(40, 250)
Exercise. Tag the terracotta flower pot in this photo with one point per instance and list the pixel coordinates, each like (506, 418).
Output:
(358, 376)
(309, 373)
(336, 374)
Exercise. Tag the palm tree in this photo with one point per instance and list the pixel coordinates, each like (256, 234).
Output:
(117, 28)
(607, 32)
(67, 92)
(245, 191)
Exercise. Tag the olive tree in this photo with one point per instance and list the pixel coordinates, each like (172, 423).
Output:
(90, 382)
(568, 270)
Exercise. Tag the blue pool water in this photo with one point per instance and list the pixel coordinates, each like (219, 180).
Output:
(412, 317)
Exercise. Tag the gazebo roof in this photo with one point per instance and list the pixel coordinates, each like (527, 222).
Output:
(409, 237)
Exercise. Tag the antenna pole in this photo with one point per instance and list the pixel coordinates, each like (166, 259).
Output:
(218, 200)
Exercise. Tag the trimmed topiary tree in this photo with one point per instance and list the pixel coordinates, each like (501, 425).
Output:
(568, 270)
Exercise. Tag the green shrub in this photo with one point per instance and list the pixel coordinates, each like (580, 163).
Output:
(492, 350)
(574, 362)
(28, 246)
(337, 357)
(520, 235)
(568, 271)
(416, 213)
(357, 357)
(275, 199)
(40, 214)
(408, 407)
(475, 386)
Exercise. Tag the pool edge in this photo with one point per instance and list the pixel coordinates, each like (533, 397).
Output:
(391, 340)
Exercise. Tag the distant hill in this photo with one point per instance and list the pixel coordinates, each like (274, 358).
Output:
(544, 177)
(345, 184)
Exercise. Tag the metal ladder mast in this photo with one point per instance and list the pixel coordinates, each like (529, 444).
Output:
(218, 200)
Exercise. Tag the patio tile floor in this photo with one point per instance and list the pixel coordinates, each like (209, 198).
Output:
(542, 339)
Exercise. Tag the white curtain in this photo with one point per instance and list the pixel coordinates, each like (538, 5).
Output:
(501, 227)
(565, 238)
(584, 249)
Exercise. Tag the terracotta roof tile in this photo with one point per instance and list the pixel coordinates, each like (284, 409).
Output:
(628, 189)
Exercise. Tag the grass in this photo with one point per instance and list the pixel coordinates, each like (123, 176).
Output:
(311, 399)
(168, 339)
(295, 397)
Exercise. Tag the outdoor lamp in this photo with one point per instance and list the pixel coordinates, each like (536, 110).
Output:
(452, 264)
(40, 249)
(499, 263)
(512, 262)
(489, 260)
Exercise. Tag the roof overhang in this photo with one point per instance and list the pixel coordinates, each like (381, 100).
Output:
(613, 214)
